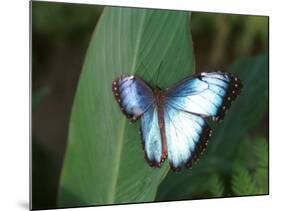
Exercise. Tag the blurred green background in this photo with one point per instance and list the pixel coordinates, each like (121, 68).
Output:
(60, 37)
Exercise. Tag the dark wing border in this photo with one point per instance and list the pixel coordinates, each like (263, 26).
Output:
(234, 89)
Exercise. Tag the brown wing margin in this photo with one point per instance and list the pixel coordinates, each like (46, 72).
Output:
(234, 89)
(200, 147)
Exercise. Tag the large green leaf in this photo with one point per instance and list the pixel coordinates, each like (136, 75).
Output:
(104, 161)
(242, 117)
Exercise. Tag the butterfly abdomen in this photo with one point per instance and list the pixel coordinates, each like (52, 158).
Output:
(159, 99)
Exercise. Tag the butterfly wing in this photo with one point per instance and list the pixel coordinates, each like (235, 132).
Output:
(133, 96)
(151, 137)
(187, 135)
(207, 94)
(187, 105)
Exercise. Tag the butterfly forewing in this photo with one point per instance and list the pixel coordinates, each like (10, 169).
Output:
(133, 96)
(207, 94)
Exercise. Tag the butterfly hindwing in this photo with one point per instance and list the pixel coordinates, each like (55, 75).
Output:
(133, 95)
(186, 134)
(151, 137)
(207, 94)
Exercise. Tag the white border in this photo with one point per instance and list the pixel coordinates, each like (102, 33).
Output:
(14, 110)
(238, 6)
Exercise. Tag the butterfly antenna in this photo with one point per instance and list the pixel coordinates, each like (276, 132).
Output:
(158, 73)
(147, 72)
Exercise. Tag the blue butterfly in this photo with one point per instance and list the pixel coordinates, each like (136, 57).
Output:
(173, 121)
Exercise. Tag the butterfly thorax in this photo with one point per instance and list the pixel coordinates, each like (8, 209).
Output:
(159, 97)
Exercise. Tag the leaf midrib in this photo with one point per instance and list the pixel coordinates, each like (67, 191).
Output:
(116, 168)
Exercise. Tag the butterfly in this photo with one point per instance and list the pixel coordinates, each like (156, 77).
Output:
(174, 120)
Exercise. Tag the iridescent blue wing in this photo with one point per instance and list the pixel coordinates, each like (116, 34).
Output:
(207, 94)
(136, 100)
(186, 134)
(133, 96)
(153, 145)
(187, 104)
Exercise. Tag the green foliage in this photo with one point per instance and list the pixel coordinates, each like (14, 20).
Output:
(104, 161)
(57, 20)
(252, 178)
(216, 186)
(238, 35)
(254, 30)
(243, 184)
(227, 137)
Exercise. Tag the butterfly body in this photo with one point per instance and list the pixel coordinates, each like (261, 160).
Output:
(159, 96)
(173, 121)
